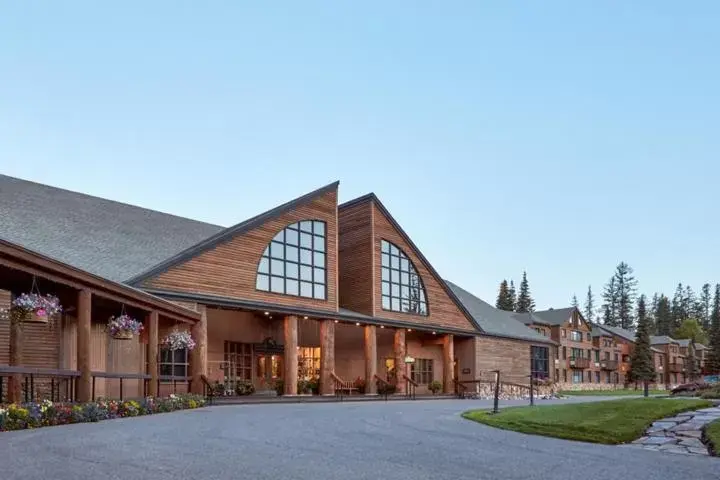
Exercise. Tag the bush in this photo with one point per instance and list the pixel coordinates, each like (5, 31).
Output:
(279, 387)
(386, 388)
(244, 388)
(435, 386)
(711, 393)
(359, 383)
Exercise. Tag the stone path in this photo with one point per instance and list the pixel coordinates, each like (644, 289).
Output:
(679, 434)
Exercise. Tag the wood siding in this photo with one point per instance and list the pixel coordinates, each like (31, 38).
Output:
(4, 329)
(443, 311)
(230, 268)
(355, 254)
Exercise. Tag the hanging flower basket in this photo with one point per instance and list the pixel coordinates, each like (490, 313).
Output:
(124, 327)
(34, 308)
(178, 340)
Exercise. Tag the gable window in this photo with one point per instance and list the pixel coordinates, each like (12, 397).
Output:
(402, 288)
(294, 263)
(576, 336)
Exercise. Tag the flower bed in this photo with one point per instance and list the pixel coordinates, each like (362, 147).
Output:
(47, 413)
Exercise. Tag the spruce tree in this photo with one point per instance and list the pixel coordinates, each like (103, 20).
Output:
(692, 366)
(513, 295)
(642, 366)
(589, 310)
(663, 317)
(712, 362)
(678, 307)
(525, 302)
(610, 305)
(626, 287)
(504, 300)
(574, 302)
(704, 303)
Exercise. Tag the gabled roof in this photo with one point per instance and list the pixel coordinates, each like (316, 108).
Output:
(228, 233)
(110, 239)
(493, 321)
(371, 197)
(554, 316)
(661, 340)
(620, 332)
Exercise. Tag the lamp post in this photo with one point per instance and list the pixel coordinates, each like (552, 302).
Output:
(497, 391)
(532, 397)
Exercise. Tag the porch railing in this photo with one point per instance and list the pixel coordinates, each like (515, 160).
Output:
(61, 381)
(410, 386)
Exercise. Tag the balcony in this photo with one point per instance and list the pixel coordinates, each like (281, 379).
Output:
(676, 367)
(579, 362)
(608, 364)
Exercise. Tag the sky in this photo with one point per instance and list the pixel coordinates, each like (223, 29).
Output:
(554, 137)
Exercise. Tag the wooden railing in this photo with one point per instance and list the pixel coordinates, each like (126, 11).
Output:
(608, 364)
(208, 391)
(460, 388)
(342, 387)
(381, 382)
(579, 362)
(410, 387)
(60, 380)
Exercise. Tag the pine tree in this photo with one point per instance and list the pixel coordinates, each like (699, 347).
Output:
(689, 302)
(678, 312)
(513, 295)
(712, 363)
(626, 288)
(610, 305)
(589, 310)
(691, 362)
(574, 302)
(525, 303)
(663, 317)
(642, 366)
(705, 302)
(504, 300)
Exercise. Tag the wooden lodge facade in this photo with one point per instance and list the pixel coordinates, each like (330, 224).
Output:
(310, 293)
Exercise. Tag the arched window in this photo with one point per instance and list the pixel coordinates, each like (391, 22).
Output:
(294, 262)
(402, 288)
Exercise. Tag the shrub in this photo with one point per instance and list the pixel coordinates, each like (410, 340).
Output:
(359, 383)
(386, 388)
(435, 386)
(279, 387)
(711, 393)
(244, 388)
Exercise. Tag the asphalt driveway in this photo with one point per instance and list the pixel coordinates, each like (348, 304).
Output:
(371, 440)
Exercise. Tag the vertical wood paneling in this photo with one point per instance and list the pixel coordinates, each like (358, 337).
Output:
(4, 329)
(230, 268)
(355, 258)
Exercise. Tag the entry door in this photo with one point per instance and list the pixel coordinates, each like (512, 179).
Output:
(238, 364)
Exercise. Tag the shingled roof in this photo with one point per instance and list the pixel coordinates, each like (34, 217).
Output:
(620, 332)
(493, 321)
(110, 239)
(554, 316)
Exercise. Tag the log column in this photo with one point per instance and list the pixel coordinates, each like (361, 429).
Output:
(16, 341)
(290, 331)
(84, 322)
(327, 356)
(448, 363)
(198, 355)
(370, 358)
(153, 342)
(399, 354)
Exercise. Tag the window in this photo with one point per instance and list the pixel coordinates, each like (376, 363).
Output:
(174, 362)
(564, 353)
(308, 363)
(661, 359)
(607, 377)
(557, 375)
(577, 353)
(564, 375)
(589, 377)
(539, 367)
(616, 357)
(402, 287)
(564, 333)
(238, 362)
(577, 376)
(597, 377)
(589, 337)
(576, 336)
(589, 355)
(294, 263)
(422, 371)
(597, 356)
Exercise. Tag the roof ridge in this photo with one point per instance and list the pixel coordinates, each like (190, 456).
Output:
(109, 200)
(228, 232)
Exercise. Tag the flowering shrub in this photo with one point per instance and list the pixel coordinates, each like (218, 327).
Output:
(124, 324)
(178, 340)
(47, 413)
(27, 303)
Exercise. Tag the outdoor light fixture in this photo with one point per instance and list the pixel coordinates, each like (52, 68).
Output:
(409, 329)
(434, 333)
(267, 313)
(382, 326)
(305, 317)
(409, 360)
(337, 321)
(357, 324)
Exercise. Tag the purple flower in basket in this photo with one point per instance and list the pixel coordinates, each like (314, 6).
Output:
(40, 305)
(124, 323)
(179, 340)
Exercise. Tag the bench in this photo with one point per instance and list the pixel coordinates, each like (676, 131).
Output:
(343, 387)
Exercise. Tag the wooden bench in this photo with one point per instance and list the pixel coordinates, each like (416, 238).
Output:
(343, 387)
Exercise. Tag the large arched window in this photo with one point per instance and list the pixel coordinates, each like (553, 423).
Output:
(402, 288)
(294, 262)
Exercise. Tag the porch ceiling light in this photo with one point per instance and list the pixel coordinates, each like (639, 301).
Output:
(409, 359)
(267, 313)
(434, 333)
(358, 324)
(382, 326)
(305, 317)
(409, 329)
(337, 321)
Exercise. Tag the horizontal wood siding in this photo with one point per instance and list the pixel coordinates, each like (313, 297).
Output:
(443, 311)
(355, 258)
(230, 269)
(4, 329)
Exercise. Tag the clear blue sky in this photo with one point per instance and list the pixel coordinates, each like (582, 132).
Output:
(556, 137)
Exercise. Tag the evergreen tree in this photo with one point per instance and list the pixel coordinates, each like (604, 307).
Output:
(692, 366)
(626, 288)
(712, 363)
(652, 314)
(642, 366)
(642, 312)
(689, 303)
(663, 317)
(525, 303)
(574, 302)
(678, 311)
(704, 303)
(504, 300)
(513, 295)
(610, 305)
(589, 310)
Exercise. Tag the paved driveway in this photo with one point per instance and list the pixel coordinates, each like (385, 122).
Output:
(375, 441)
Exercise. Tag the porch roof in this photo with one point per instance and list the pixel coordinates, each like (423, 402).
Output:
(22, 260)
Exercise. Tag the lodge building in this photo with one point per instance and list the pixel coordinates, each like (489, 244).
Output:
(310, 291)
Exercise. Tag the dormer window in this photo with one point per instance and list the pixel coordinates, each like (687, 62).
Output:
(402, 287)
(294, 263)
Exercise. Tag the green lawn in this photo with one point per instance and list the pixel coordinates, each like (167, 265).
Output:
(712, 432)
(612, 422)
(610, 393)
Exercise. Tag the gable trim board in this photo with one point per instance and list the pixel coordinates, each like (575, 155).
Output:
(371, 197)
(228, 234)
